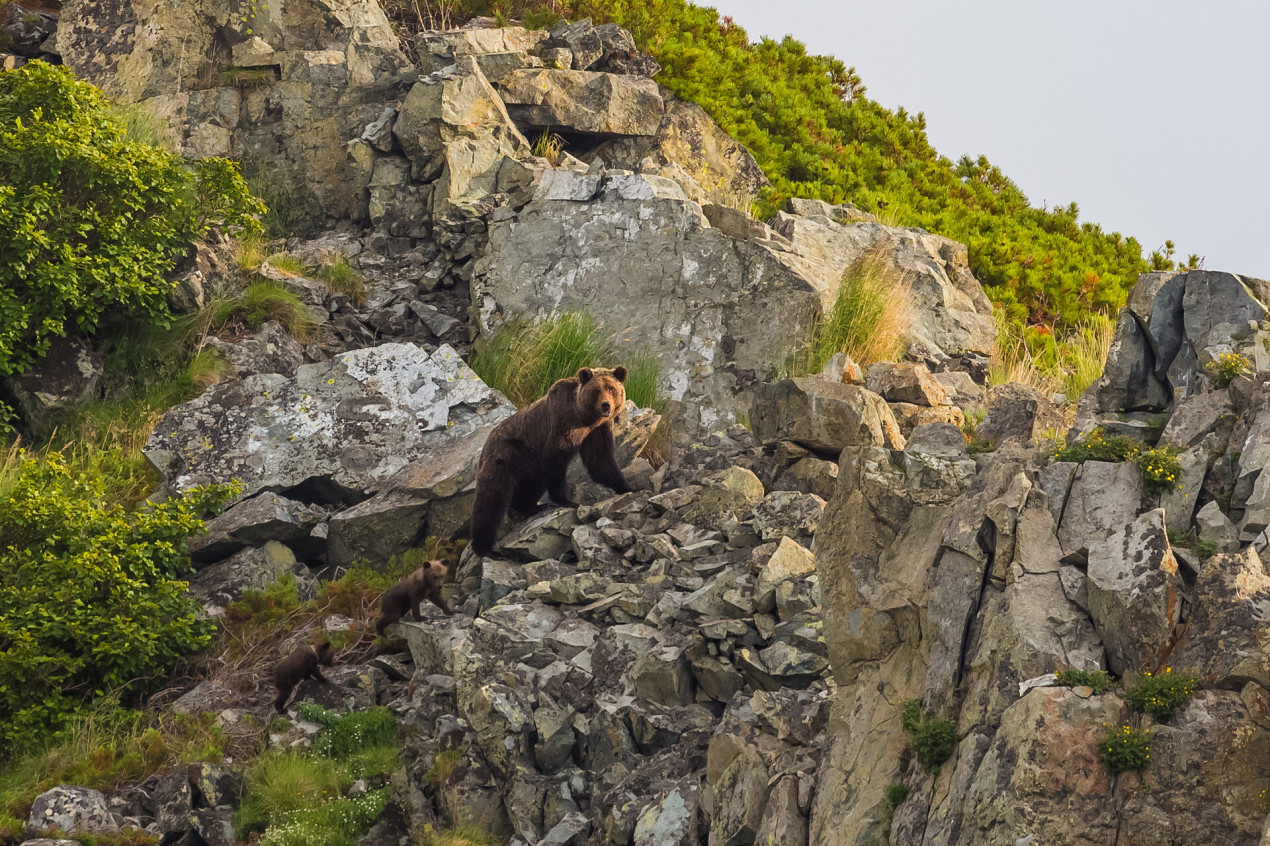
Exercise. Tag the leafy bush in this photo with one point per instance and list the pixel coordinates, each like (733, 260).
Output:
(1161, 695)
(92, 220)
(1160, 470)
(524, 358)
(1098, 680)
(1226, 367)
(934, 739)
(89, 596)
(867, 319)
(896, 794)
(1125, 749)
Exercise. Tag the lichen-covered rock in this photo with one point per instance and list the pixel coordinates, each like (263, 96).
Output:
(906, 383)
(1227, 640)
(1135, 594)
(336, 430)
(68, 375)
(74, 810)
(254, 568)
(1017, 411)
(269, 350)
(716, 311)
(253, 522)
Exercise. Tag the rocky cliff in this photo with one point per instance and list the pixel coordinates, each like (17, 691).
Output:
(843, 623)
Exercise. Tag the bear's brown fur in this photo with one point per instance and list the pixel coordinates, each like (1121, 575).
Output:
(529, 452)
(299, 665)
(405, 596)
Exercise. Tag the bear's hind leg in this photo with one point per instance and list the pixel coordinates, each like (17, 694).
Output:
(492, 499)
(525, 498)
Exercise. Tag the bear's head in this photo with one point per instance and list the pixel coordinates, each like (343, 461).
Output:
(323, 652)
(431, 574)
(601, 393)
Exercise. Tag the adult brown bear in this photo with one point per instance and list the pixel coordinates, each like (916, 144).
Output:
(529, 452)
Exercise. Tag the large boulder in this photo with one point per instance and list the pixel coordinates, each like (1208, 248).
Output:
(1135, 594)
(73, 810)
(337, 431)
(949, 313)
(453, 126)
(1228, 638)
(689, 142)
(234, 78)
(582, 102)
(68, 375)
(823, 416)
(1174, 324)
(637, 252)
(1018, 411)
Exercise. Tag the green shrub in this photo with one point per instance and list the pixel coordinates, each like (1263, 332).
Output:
(90, 600)
(92, 220)
(1160, 470)
(1226, 367)
(896, 794)
(523, 359)
(1160, 695)
(342, 278)
(261, 302)
(1098, 680)
(934, 739)
(1125, 749)
(281, 782)
(1099, 447)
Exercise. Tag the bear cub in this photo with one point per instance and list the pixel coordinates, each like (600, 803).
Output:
(405, 596)
(299, 665)
(529, 452)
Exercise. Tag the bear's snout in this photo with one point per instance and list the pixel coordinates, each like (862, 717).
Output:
(606, 407)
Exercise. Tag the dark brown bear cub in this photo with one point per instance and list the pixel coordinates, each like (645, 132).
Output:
(405, 596)
(301, 664)
(529, 452)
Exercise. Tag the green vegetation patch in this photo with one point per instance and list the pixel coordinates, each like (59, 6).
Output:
(1161, 694)
(308, 797)
(1158, 467)
(90, 597)
(934, 739)
(524, 358)
(261, 302)
(92, 219)
(1125, 748)
(1226, 367)
(1097, 680)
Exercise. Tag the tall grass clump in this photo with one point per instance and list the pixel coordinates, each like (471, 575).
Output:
(867, 320)
(261, 302)
(1035, 356)
(524, 357)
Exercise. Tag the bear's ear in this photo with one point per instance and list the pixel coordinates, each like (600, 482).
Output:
(427, 564)
(619, 373)
(584, 375)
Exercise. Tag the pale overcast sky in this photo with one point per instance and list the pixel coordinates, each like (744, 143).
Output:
(1152, 115)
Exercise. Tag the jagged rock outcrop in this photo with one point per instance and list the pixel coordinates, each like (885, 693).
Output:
(69, 375)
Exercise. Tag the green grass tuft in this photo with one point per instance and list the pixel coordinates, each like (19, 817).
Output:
(523, 359)
(1098, 680)
(261, 302)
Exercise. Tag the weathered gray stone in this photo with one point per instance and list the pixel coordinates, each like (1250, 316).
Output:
(337, 428)
(663, 676)
(782, 824)
(823, 415)
(68, 375)
(385, 525)
(635, 249)
(1135, 593)
(1216, 528)
(740, 794)
(1017, 411)
(74, 810)
(732, 491)
(582, 101)
(1227, 640)
(789, 561)
(1103, 498)
(581, 40)
(254, 522)
(1197, 416)
(809, 475)
(669, 820)
(908, 383)
(788, 513)
(269, 350)
(250, 569)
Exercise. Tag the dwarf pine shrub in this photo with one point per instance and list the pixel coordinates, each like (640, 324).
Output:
(934, 739)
